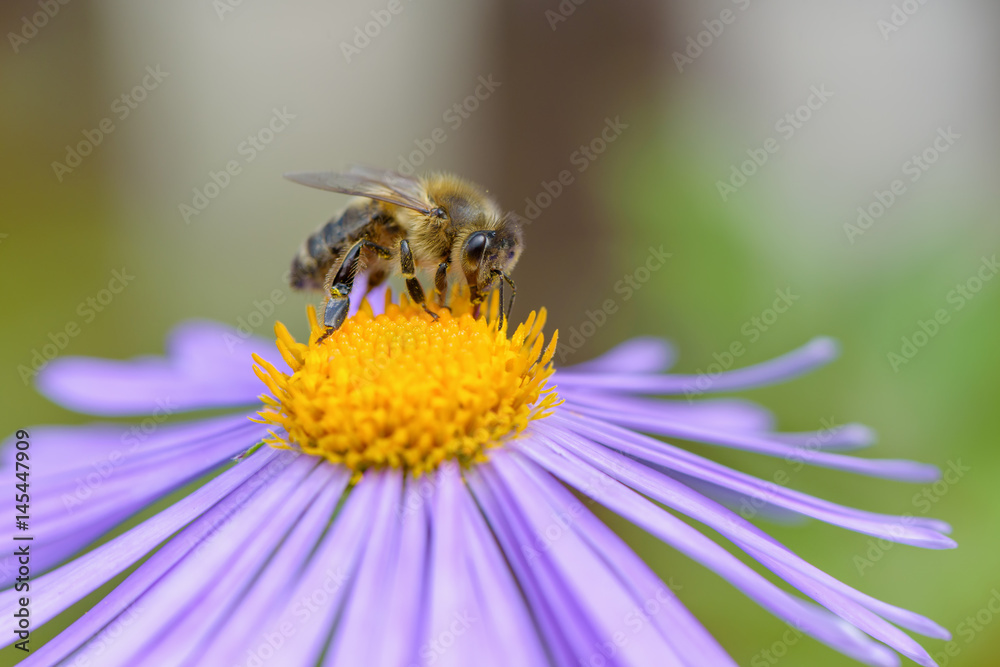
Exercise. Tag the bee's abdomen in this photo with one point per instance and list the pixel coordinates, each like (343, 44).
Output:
(319, 251)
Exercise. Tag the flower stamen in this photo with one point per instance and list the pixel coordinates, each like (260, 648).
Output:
(402, 390)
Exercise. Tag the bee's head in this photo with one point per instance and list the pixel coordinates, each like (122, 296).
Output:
(488, 256)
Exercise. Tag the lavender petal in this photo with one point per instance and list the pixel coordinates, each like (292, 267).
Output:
(314, 602)
(374, 590)
(816, 353)
(92, 478)
(725, 414)
(666, 425)
(272, 588)
(620, 499)
(208, 365)
(182, 606)
(850, 604)
(693, 643)
(56, 591)
(562, 625)
(915, 531)
(496, 590)
(585, 578)
(638, 355)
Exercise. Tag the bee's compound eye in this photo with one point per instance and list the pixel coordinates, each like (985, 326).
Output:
(475, 247)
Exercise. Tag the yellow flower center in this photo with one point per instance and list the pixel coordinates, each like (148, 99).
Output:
(403, 390)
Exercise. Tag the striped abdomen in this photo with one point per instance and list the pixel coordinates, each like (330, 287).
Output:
(320, 251)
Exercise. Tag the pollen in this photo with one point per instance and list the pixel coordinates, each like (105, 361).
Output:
(403, 390)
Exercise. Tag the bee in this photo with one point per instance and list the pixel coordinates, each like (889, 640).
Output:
(440, 223)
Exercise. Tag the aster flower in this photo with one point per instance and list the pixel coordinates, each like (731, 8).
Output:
(410, 503)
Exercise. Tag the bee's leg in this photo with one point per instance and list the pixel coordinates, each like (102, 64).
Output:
(441, 283)
(504, 278)
(513, 292)
(340, 288)
(408, 269)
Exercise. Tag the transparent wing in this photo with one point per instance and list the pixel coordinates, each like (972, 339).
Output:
(380, 184)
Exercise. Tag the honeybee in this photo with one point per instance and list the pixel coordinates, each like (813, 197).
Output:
(440, 222)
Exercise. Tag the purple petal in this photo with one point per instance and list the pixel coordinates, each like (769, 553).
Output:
(848, 436)
(496, 590)
(814, 354)
(561, 623)
(693, 643)
(686, 539)
(668, 425)
(747, 506)
(374, 590)
(914, 530)
(408, 571)
(830, 592)
(91, 478)
(177, 612)
(314, 602)
(208, 365)
(56, 591)
(725, 414)
(240, 636)
(121, 603)
(474, 613)
(638, 355)
(604, 602)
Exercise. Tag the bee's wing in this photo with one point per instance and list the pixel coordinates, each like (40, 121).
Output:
(384, 185)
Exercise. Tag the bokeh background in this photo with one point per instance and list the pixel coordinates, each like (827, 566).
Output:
(842, 99)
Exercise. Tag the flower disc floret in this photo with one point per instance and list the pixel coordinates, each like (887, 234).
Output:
(403, 390)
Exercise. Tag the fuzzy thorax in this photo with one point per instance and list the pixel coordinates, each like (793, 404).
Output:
(402, 390)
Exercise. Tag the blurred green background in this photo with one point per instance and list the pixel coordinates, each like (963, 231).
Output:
(694, 90)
